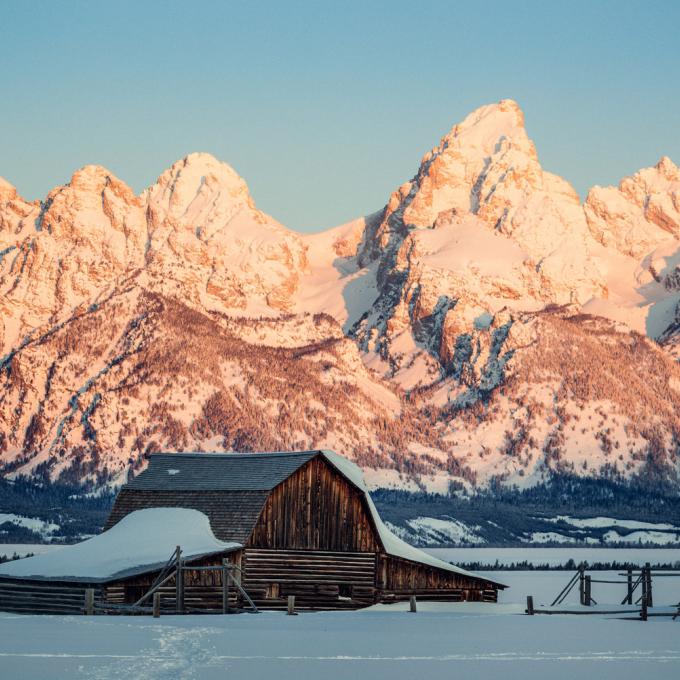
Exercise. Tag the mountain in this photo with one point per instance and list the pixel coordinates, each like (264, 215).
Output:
(484, 328)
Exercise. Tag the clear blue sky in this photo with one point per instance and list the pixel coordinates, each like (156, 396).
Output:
(325, 107)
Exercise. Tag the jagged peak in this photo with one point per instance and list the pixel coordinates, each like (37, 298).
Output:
(7, 191)
(667, 168)
(488, 125)
(200, 167)
(95, 178)
(91, 170)
(647, 179)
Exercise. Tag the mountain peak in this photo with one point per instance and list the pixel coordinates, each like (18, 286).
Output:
(198, 174)
(489, 126)
(91, 175)
(667, 168)
(201, 166)
(7, 190)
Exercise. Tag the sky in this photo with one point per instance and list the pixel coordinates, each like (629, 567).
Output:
(324, 108)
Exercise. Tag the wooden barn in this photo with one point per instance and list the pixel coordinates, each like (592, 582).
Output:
(299, 523)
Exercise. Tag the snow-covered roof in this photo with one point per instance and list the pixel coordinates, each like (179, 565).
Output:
(392, 544)
(142, 541)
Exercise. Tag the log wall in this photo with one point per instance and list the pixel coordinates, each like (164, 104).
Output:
(319, 580)
(44, 597)
(398, 579)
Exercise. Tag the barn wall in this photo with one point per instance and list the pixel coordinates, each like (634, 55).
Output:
(399, 579)
(22, 596)
(317, 579)
(316, 508)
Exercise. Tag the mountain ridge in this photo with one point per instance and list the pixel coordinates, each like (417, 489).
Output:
(430, 341)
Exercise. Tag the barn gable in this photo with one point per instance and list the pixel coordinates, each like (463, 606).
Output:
(315, 508)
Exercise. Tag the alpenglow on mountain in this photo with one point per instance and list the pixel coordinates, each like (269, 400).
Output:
(484, 325)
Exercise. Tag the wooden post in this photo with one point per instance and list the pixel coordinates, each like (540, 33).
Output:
(588, 590)
(225, 587)
(179, 582)
(582, 588)
(156, 605)
(89, 601)
(530, 605)
(629, 600)
(291, 605)
(643, 583)
(650, 598)
(412, 604)
(643, 611)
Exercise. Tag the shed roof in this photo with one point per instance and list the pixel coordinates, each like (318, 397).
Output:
(141, 542)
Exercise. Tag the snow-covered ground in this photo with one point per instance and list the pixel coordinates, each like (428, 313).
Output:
(45, 529)
(474, 640)
(561, 529)
(442, 640)
(435, 530)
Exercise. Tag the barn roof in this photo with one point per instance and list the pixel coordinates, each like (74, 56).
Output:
(218, 471)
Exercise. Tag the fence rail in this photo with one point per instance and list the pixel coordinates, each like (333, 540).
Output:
(642, 578)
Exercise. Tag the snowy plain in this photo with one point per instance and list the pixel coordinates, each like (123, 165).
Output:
(472, 640)
(441, 640)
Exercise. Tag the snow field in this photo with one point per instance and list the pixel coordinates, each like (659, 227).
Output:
(441, 640)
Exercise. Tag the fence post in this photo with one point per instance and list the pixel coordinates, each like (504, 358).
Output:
(530, 605)
(89, 601)
(179, 582)
(630, 587)
(412, 604)
(156, 605)
(291, 605)
(643, 611)
(650, 598)
(582, 588)
(588, 600)
(225, 587)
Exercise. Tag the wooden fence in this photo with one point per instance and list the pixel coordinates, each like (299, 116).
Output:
(641, 578)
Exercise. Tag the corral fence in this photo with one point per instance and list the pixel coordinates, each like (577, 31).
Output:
(639, 592)
(169, 592)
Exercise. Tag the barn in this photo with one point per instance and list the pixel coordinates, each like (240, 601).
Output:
(295, 523)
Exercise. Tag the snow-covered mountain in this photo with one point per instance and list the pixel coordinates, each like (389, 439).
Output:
(484, 325)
